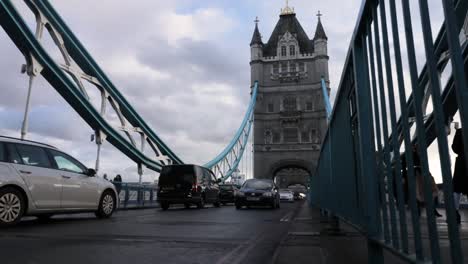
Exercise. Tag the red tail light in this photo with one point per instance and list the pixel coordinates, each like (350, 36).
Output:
(194, 187)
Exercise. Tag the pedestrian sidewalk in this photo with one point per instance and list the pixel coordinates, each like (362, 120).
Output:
(310, 239)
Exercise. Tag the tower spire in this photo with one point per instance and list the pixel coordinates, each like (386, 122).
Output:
(319, 31)
(256, 38)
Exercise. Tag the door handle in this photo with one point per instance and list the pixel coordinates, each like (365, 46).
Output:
(66, 177)
(25, 172)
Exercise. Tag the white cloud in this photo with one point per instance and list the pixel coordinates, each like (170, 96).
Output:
(203, 24)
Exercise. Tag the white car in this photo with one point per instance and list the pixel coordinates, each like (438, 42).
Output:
(39, 180)
(286, 195)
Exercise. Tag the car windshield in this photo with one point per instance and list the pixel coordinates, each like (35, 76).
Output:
(172, 175)
(258, 184)
(226, 187)
(285, 191)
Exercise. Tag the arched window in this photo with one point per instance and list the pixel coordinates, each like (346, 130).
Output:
(292, 50)
(289, 103)
(283, 51)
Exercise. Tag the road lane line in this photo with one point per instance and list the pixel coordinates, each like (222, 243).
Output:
(238, 252)
(287, 217)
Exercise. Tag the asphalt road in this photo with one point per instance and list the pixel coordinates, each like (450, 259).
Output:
(210, 235)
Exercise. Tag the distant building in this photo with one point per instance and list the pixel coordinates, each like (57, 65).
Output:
(290, 115)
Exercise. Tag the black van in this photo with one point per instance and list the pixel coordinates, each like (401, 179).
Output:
(187, 185)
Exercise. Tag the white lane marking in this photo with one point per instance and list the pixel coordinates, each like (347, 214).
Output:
(287, 217)
(239, 253)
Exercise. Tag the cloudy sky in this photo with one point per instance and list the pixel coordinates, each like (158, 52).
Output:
(182, 64)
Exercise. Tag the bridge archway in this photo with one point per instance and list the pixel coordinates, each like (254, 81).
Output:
(291, 172)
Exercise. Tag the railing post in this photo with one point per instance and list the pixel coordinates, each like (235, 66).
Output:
(367, 154)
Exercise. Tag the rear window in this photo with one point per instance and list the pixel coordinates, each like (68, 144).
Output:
(172, 175)
(258, 184)
(2, 152)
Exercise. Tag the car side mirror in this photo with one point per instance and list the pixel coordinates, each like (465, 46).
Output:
(91, 172)
(218, 181)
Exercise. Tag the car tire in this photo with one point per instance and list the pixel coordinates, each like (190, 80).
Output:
(164, 206)
(223, 203)
(12, 206)
(187, 206)
(201, 204)
(217, 204)
(107, 205)
(238, 206)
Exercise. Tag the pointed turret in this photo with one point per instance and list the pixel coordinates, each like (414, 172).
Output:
(319, 31)
(320, 38)
(256, 54)
(256, 38)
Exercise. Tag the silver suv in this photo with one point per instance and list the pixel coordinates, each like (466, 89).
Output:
(39, 180)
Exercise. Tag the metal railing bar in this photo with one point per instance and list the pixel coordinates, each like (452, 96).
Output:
(383, 105)
(441, 139)
(394, 138)
(378, 127)
(406, 135)
(457, 67)
(367, 148)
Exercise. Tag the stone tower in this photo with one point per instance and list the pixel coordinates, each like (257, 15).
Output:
(290, 116)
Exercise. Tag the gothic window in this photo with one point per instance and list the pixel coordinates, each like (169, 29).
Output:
(276, 137)
(267, 137)
(289, 103)
(292, 50)
(283, 51)
(301, 67)
(275, 67)
(309, 106)
(271, 108)
(315, 136)
(305, 136)
(290, 135)
(283, 67)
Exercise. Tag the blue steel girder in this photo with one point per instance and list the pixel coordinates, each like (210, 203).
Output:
(228, 160)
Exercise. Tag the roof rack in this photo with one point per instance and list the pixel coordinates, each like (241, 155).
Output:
(31, 141)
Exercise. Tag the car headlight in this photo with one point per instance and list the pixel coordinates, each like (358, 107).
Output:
(267, 194)
(240, 194)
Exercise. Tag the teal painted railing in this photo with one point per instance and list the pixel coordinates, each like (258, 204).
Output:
(361, 175)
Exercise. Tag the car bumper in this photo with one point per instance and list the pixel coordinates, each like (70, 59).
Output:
(227, 199)
(180, 199)
(261, 201)
(287, 199)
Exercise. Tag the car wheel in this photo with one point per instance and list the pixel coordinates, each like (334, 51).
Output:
(238, 206)
(201, 204)
(223, 203)
(106, 205)
(164, 206)
(217, 204)
(12, 205)
(187, 205)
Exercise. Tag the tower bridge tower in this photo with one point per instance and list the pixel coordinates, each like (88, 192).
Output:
(290, 115)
